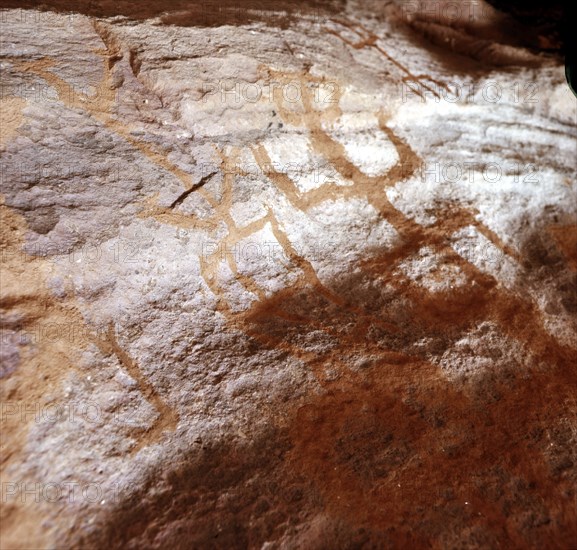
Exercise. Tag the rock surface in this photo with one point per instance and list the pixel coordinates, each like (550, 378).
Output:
(290, 275)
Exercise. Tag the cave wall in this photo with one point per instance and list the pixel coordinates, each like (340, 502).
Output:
(286, 275)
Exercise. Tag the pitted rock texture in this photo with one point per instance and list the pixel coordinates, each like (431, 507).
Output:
(286, 276)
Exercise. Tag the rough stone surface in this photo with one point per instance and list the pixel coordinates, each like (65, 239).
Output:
(290, 276)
